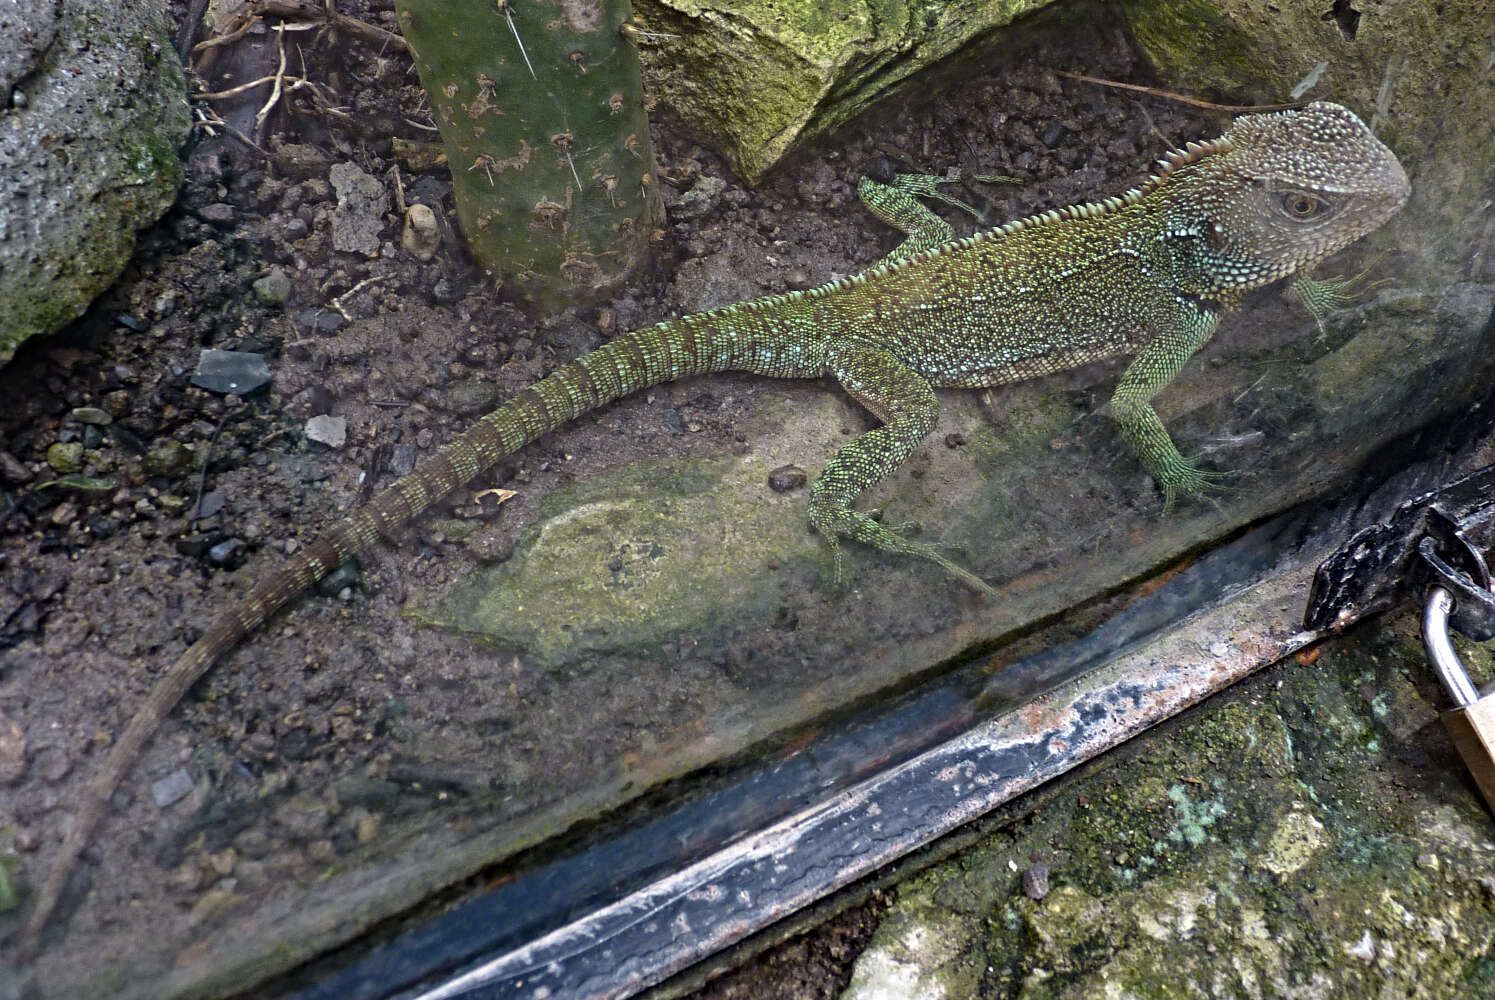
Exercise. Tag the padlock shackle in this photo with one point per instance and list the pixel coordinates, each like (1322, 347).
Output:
(1435, 640)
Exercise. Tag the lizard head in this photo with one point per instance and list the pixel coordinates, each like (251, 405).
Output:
(1280, 192)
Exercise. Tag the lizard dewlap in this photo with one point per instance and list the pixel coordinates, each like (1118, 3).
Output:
(1148, 273)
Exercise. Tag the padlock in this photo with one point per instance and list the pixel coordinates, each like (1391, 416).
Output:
(1471, 723)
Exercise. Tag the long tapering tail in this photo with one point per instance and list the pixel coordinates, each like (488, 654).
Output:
(730, 339)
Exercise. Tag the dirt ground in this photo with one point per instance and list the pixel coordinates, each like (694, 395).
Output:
(108, 577)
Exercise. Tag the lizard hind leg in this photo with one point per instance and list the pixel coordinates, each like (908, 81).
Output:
(904, 401)
(894, 198)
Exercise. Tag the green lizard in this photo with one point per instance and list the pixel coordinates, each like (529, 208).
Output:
(1149, 273)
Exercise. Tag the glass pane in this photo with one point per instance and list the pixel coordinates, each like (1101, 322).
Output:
(643, 607)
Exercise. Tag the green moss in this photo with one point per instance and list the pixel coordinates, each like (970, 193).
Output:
(762, 76)
(1261, 847)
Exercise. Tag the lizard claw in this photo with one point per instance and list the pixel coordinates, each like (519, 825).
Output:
(1184, 478)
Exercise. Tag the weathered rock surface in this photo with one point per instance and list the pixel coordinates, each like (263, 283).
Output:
(762, 77)
(92, 112)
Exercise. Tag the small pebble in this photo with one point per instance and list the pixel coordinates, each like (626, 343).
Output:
(117, 402)
(700, 199)
(12, 469)
(230, 371)
(92, 415)
(273, 289)
(54, 765)
(786, 478)
(218, 213)
(446, 292)
(421, 236)
(361, 204)
(227, 553)
(12, 751)
(65, 514)
(66, 457)
(171, 459)
(368, 828)
(173, 788)
(339, 580)
(211, 503)
(1036, 880)
(328, 322)
(401, 460)
(330, 431)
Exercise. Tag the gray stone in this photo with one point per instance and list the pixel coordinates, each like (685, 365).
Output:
(230, 371)
(700, 199)
(13, 470)
(171, 789)
(361, 204)
(88, 150)
(218, 213)
(226, 553)
(331, 431)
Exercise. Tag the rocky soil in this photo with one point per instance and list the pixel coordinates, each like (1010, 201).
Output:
(137, 496)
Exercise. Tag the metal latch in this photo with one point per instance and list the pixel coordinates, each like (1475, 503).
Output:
(1385, 563)
(1435, 542)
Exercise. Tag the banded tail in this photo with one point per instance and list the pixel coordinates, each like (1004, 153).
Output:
(745, 337)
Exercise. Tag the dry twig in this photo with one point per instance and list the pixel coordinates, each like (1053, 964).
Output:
(1180, 98)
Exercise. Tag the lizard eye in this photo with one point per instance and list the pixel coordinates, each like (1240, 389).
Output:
(1301, 206)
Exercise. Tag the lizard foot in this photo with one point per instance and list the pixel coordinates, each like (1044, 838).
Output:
(1184, 478)
(1323, 296)
(840, 522)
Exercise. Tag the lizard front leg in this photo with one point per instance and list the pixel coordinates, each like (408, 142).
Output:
(905, 402)
(1157, 364)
